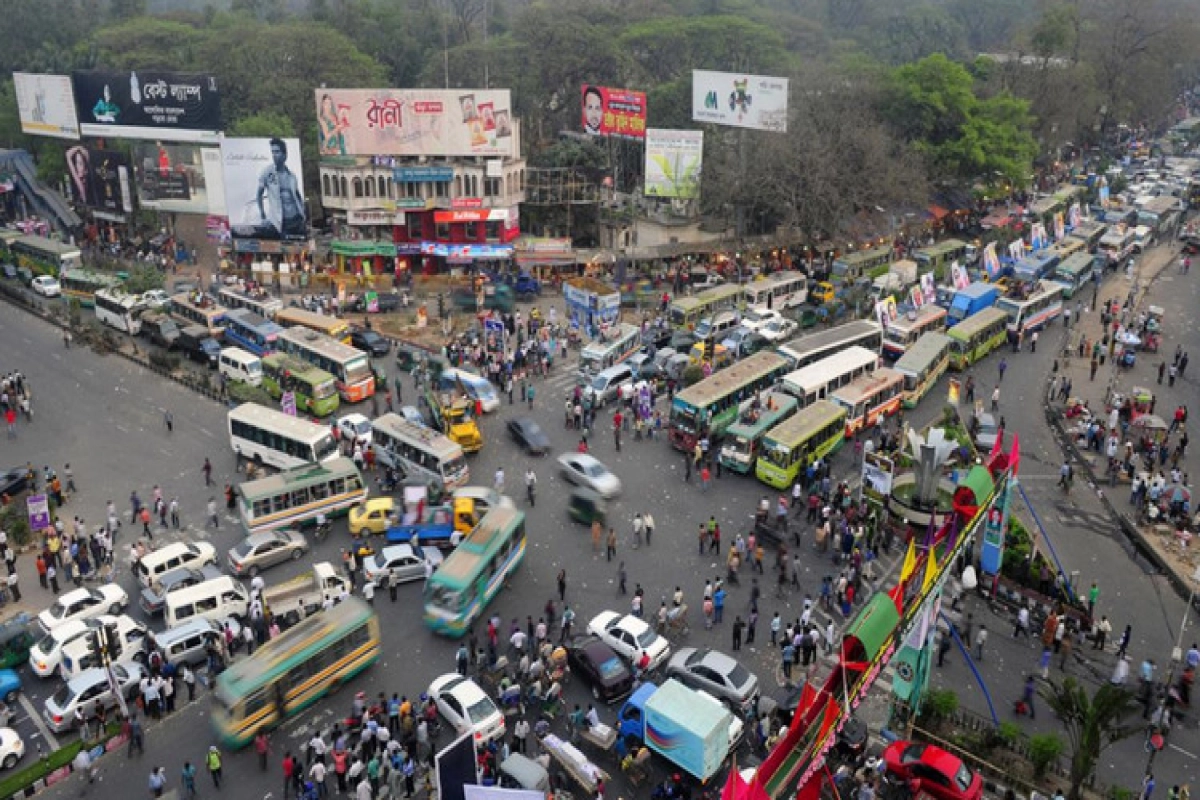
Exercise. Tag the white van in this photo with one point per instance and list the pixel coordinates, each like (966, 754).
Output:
(214, 600)
(238, 365)
(1143, 237)
(130, 634)
(176, 555)
(606, 386)
(186, 643)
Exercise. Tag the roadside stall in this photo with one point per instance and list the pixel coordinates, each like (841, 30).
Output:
(591, 305)
(574, 763)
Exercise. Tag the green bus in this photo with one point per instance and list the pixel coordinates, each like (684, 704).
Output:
(976, 336)
(813, 432)
(861, 264)
(713, 404)
(315, 389)
(297, 495)
(685, 312)
(743, 438)
(923, 365)
(475, 572)
(294, 670)
(1075, 273)
(43, 256)
(938, 257)
(82, 285)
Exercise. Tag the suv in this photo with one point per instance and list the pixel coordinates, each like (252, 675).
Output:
(370, 342)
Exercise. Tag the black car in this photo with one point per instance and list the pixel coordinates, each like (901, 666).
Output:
(530, 436)
(370, 342)
(14, 481)
(385, 302)
(601, 668)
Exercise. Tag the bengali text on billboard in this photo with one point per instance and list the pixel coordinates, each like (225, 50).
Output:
(148, 105)
(415, 122)
(673, 160)
(613, 112)
(46, 105)
(739, 100)
(173, 177)
(264, 189)
(99, 179)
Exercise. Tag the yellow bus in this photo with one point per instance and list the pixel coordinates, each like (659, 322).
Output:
(199, 308)
(938, 257)
(976, 336)
(923, 365)
(813, 432)
(685, 312)
(332, 327)
(870, 398)
(81, 285)
(300, 494)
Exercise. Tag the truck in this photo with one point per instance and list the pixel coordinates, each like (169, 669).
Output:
(160, 329)
(437, 523)
(453, 415)
(688, 727)
(970, 300)
(305, 594)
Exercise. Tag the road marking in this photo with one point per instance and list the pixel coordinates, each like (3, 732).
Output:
(122, 429)
(206, 433)
(88, 372)
(1179, 749)
(37, 721)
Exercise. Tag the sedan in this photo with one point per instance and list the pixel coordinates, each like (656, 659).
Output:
(777, 330)
(85, 603)
(467, 707)
(14, 481)
(630, 637)
(716, 673)
(582, 469)
(400, 564)
(942, 775)
(88, 691)
(600, 667)
(46, 286)
(156, 300)
(755, 319)
(12, 749)
(355, 427)
(370, 342)
(373, 516)
(529, 435)
(261, 550)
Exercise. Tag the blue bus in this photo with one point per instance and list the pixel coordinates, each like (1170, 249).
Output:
(249, 331)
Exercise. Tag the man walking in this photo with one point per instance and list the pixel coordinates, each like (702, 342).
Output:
(207, 470)
(213, 762)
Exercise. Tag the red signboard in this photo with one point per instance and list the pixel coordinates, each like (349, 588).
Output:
(614, 112)
(467, 202)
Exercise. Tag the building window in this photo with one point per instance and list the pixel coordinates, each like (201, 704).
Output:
(412, 189)
(441, 188)
(491, 187)
(458, 185)
(358, 187)
(369, 187)
(414, 226)
(522, 185)
(443, 231)
(343, 192)
(492, 230)
(325, 185)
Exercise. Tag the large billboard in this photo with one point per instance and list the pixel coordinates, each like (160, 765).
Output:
(673, 160)
(742, 101)
(614, 112)
(148, 105)
(99, 179)
(414, 122)
(46, 105)
(264, 189)
(174, 177)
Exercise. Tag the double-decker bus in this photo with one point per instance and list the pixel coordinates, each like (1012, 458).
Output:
(119, 309)
(81, 285)
(810, 349)
(332, 327)
(251, 332)
(923, 365)
(475, 572)
(778, 292)
(976, 336)
(419, 452)
(44, 256)
(904, 332)
(294, 670)
(744, 437)
(300, 494)
(860, 263)
(267, 436)
(938, 257)
(712, 405)
(869, 398)
(809, 434)
(261, 302)
(199, 308)
(1035, 310)
(349, 366)
(314, 389)
(685, 312)
(611, 348)
(818, 381)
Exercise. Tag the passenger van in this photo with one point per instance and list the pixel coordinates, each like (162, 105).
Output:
(185, 643)
(606, 386)
(76, 657)
(238, 365)
(717, 326)
(176, 555)
(213, 600)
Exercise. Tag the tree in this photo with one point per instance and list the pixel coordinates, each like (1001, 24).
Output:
(1092, 723)
(263, 124)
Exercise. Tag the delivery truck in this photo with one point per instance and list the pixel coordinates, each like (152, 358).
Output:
(970, 300)
(305, 594)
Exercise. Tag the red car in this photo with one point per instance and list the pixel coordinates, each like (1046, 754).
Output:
(942, 775)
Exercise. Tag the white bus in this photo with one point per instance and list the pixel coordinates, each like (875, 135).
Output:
(119, 309)
(419, 451)
(813, 347)
(869, 398)
(261, 302)
(267, 436)
(349, 366)
(1036, 310)
(778, 292)
(614, 345)
(904, 332)
(820, 380)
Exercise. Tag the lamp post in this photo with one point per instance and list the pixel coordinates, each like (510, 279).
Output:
(1176, 657)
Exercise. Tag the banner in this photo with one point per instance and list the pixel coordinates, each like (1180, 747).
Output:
(1060, 227)
(173, 177)
(991, 553)
(1074, 215)
(46, 105)
(742, 101)
(877, 474)
(885, 311)
(99, 179)
(264, 189)
(991, 262)
(953, 391)
(1037, 237)
(613, 112)
(929, 288)
(958, 275)
(414, 122)
(1016, 250)
(673, 160)
(148, 105)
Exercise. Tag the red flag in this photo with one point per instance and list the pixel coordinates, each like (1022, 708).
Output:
(1014, 459)
(996, 449)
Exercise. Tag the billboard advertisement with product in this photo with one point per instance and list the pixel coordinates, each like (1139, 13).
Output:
(99, 179)
(46, 105)
(264, 189)
(613, 112)
(414, 122)
(148, 105)
(673, 160)
(739, 100)
(173, 177)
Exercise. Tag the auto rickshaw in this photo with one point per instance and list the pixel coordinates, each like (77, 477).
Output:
(1154, 319)
(586, 506)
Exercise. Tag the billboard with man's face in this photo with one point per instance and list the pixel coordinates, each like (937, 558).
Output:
(148, 105)
(264, 189)
(614, 112)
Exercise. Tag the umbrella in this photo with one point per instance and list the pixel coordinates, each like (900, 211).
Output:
(1150, 422)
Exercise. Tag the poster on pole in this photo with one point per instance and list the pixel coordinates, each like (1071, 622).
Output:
(264, 189)
(673, 162)
(46, 105)
(613, 112)
(38, 508)
(740, 100)
(148, 105)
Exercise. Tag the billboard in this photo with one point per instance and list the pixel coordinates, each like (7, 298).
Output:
(174, 177)
(414, 122)
(99, 179)
(264, 189)
(46, 105)
(673, 160)
(613, 112)
(742, 101)
(148, 105)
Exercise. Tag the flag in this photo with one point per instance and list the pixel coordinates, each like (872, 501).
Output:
(1014, 459)
(930, 569)
(910, 560)
(995, 449)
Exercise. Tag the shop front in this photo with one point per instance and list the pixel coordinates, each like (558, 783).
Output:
(364, 259)
(550, 260)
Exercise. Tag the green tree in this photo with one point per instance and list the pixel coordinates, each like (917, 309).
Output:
(1092, 723)
(994, 142)
(264, 124)
(148, 43)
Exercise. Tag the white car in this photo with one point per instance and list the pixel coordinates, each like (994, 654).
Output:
(467, 707)
(777, 330)
(756, 317)
(400, 563)
(156, 299)
(84, 603)
(46, 653)
(12, 749)
(356, 427)
(584, 470)
(630, 637)
(46, 286)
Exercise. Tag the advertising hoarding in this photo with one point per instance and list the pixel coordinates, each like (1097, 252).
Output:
(673, 160)
(173, 177)
(739, 100)
(99, 179)
(613, 112)
(148, 105)
(46, 105)
(264, 189)
(414, 122)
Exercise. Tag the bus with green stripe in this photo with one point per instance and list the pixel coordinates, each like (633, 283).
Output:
(713, 404)
(976, 336)
(743, 439)
(298, 495)
(81, 285)
(309, 660)
(813, 432)
(457, 593)
(315, 389)
(922, 366)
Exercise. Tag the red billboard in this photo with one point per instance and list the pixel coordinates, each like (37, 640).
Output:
(613, 112)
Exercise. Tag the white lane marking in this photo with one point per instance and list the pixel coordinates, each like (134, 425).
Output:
(37, 721)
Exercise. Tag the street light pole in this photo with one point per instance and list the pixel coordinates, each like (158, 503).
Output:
(1176, 657)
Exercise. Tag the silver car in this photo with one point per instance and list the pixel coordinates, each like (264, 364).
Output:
(714, 672)
(400, 564)
(88, 691)
(261, 550)
(582, 469)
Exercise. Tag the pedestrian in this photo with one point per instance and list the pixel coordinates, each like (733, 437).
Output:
(187, 778)
(996, 398)
(943, 648)
(611, 542)
(207, 469)
(212, 513)
(158, 781)
(213, 762)
(562, 585)
(1003, 367)
(1147, 786)
(621, 578)
(1123, 646)
(980, 640)
(262, 747)
(738, 625)
(1027, 696)
(169, 421)
(648, 526)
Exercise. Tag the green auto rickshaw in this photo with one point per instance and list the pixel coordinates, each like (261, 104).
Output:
(17, 636)
(586, 506)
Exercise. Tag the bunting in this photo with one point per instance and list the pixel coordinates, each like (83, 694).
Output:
(930, 569)
(910, 561)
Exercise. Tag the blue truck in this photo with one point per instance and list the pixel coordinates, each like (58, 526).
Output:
(689, 728)
(971, 300)
(437, 525)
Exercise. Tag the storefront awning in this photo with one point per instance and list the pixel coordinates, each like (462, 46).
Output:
(355, 248)
(538, 251)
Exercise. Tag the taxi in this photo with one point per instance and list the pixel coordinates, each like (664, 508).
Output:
(822, 292)
(373, 516)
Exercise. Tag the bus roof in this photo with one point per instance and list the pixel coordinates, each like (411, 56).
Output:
(297, 477)
(302, 316)
(207, 304)
(978, 321)
(791, 431)
(859, 256)
(248, 317)
(398, 427)
(321, 343)
(941, 248)
(120, 296)
(294, 427)
(261, 297)
(716, 293)
(915, 318)
(923, 352)
(1076, 263)
(296, 366)
(860, 387)
(48, 245)
(775, 406)
(1044, 287)
(478, 546)
(798, 348)
(732, 378)
(819, 374)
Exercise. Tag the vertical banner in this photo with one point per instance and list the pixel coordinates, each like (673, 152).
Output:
(38, 508)
(916, 297)
(958, 275)
(929, 288)
(991, 261)
(1060, 227)
(1037, 236)
(991, 555)
(1074, 216)
(1016, 250)
(877, 475)
(886, 312)
(953, 391)
(46, 105)
(673, 163)
(264, 189)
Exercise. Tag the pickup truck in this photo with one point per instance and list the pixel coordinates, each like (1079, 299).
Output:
(305, 594)
(438, 525)
(689, 728)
